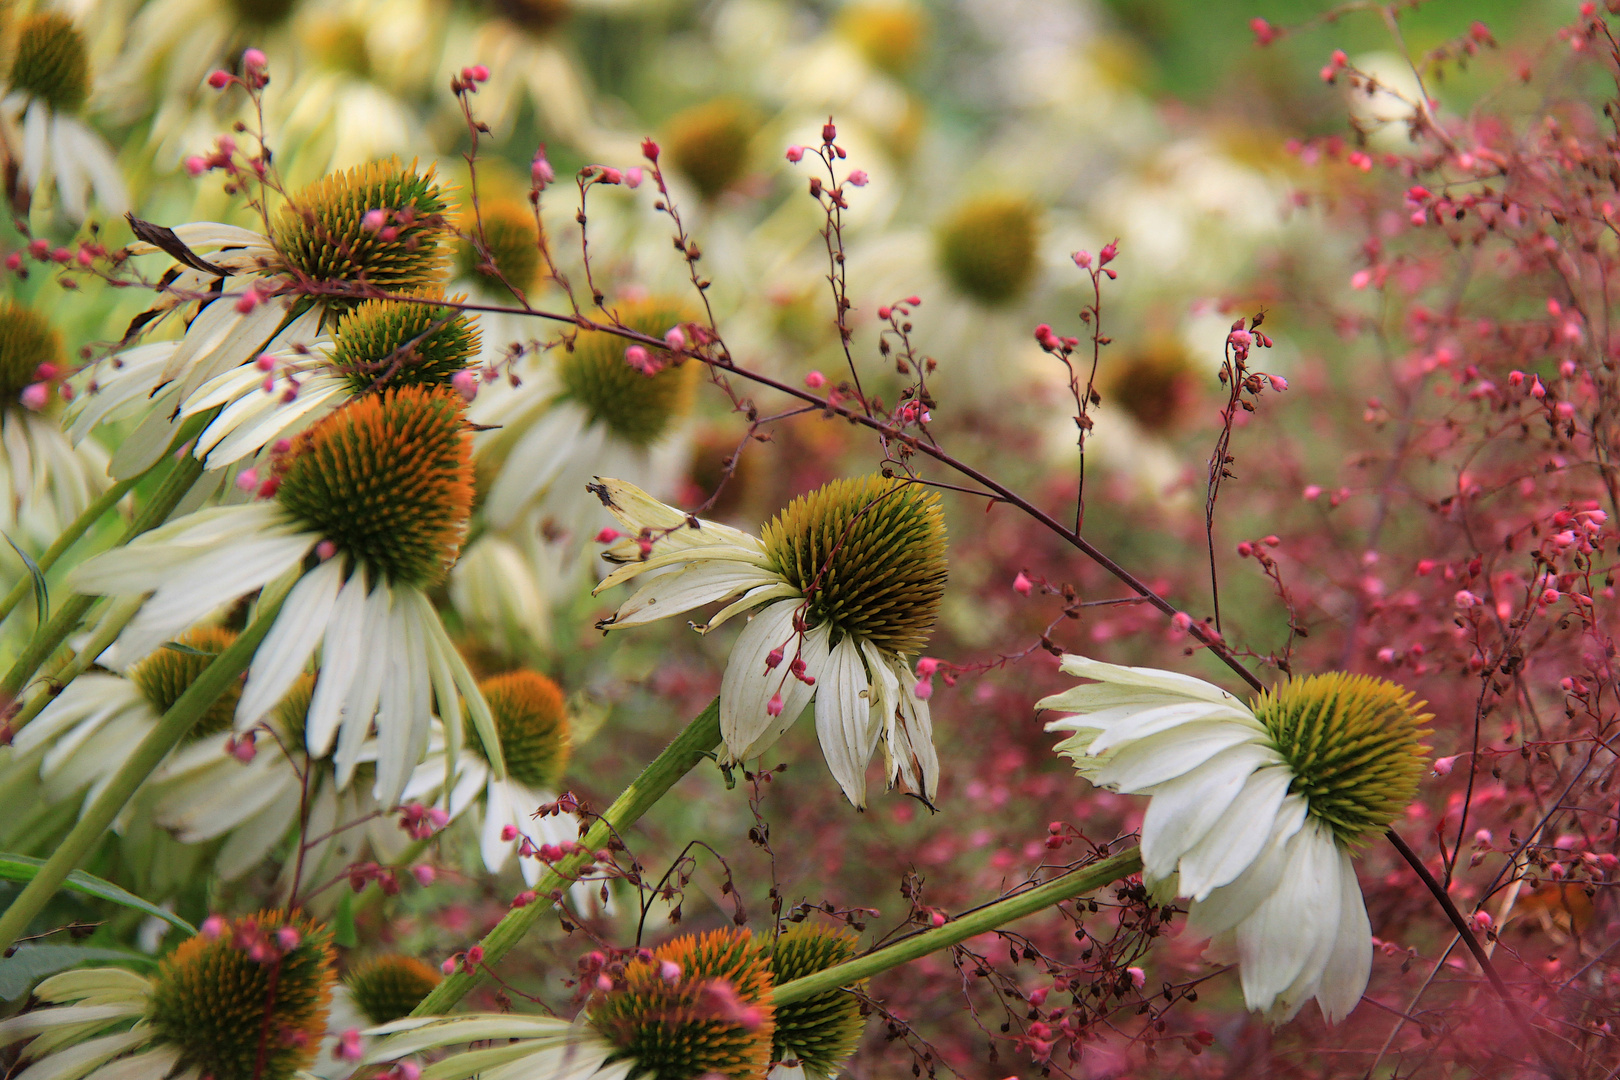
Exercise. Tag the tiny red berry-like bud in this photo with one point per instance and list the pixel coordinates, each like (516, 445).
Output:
(815, 380)
(1245, 549)
(219, 79)
(1264, 32)
(1082, 259)
(475, 956)
(649, 149)
(1022, 585)
(607, 536)
(774, 707)
(858, 178)
(774, 657)
(795, 154)
(829, 133)
(914, 301)
(1106, 255)
(540, 170)
(479, 73)
(254, 60)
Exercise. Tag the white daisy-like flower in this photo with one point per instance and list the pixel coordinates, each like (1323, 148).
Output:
(188, 1020)
(252, 788)
(377, 225)
(40, 131)
(379, 494)
(531, 718)
(1254, 811)
(847, 582)
(695, 1006)
(376, 990)
(45, 482)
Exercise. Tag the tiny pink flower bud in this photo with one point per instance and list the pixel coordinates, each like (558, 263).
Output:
(1312, 491)
(649, 149)
(196, 165)
(254, 60)
(636, 357)
(923, 689)
(937, 919)
(607, 535)
(612, 176)
(774, 657)
(509, 832)
(1482, 836)
(245, 749)
(1361, 279)
(465, 383)
(540, 170)
(213, 927)
(325, 550)
(1442, 766)
(1022, 585)
(669, 971)
(815, 380)
(632, 176)
(829, 133)
(1181, 621)
(1549, 597)
(424, 874)
(475, 956)
(1138, 977)
(349, 1047)
(1264, 32)
(288, 938)
(675, 338)
(1106, 255)
(524, 899)
(479, 73)
(1277, 382)
(247, 480)
(858, 178)
(409, 1070)
(219, 79)
(1482, 920)
(247, 301)
(35, 396)
(1082, 259)
(774, 706)
(1465, 599)
(449, 966)
(795, 154)
(1537, 391)
(885, 312)
(373, 220)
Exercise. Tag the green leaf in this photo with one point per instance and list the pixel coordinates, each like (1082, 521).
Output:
(23, 868)
(31, 963)
(42, 595)
(180, 647)
(343, 931)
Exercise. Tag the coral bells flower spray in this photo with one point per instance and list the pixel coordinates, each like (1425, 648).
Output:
(379, 492)
(848, 581)
(246, 999)
(1254, 811)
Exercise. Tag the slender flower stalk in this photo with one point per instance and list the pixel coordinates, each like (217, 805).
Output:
(176, 723)
(66, 539)
(1075, 883)
(698, 741)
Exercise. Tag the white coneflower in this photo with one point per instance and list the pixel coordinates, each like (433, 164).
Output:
(252, 788)
(379, 493)
(40, 131)
(848, 582)
(203, 1014)
(378, 225)
(1254, 811)
(532, 721)
(95, 723)
(695, 1007)
(45, 482)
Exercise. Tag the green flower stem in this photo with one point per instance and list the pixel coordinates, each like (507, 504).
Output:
(69, 537)
(175, 725)
(182, 474)
(699, 740)
(118, 616)
(1074, 883)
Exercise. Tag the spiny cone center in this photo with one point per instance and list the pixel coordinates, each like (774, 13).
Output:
(1153, 385)
(1354, 745)
(510, 240)
(988, 247)
(383, 343)
(27, 340)
(324, 233)
(211, 996)
(387, 988)
(388, 480)
(870, 556)
(715, 1017)
(821, 1031)
(531, 719)
(292, 713)
(636, 407)
(52, 63)
(710, 143)
(169, 672)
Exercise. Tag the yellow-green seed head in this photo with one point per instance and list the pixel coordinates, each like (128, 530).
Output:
(820, 1031)
(512, 242)
(392, 343)
(715, 1016)
(323, 233)
(27, 340)
(51, 62)
(168, 673)
(387, 988)
(387, 479)
(211, 998)
(531, 718)
(637, 408)
(988, 247)
(891, 36)
(1354, 745)
(1154, 384)
(710, 143)
(535, 16)
(870, 556)
(262, 14)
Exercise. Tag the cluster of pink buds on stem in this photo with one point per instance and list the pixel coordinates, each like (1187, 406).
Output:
(466, 961)
(422, 822)
(466, 81)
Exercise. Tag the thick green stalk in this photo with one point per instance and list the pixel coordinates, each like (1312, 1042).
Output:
(691, 746)
(49, 637)
(112, 624)
(69, 537)
(175, 725)
(1074, 883)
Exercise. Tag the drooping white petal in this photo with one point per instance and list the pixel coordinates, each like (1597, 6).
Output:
(1142, 723)
(374, 645)
(1344, 977)
(1158, 758)
(286, 649)
(498, 814)
(909, 741)
(406, 706)
(695, 585)
(748, 686)
(100, 167)
(1183, 810)
(1237, 835)
(533, 463)
(70, 183)
(1229, 905)
(340, 663)
(1293, 929)
(777, 590)
(843, 716)
(36, 130)
(1169, 682)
